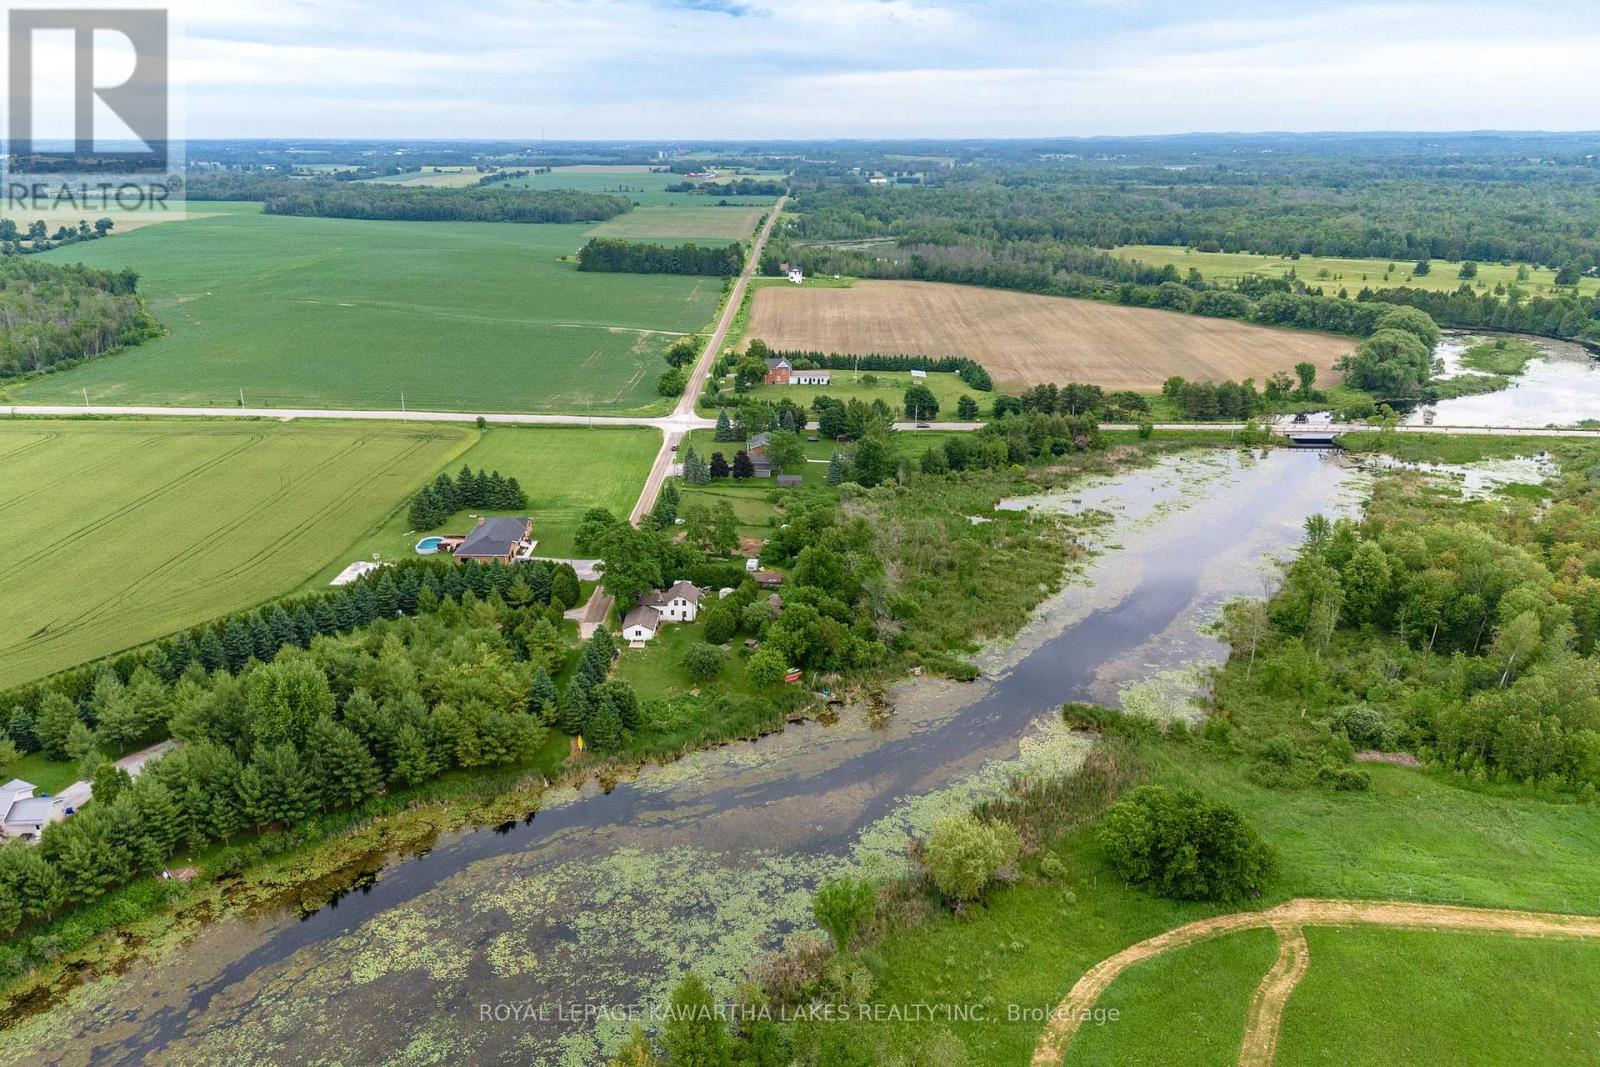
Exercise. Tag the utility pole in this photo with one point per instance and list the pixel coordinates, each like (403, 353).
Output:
(241, 396)
(86, 396)
(402, 403)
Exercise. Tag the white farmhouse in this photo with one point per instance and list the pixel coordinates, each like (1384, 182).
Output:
(796, 275)
(681, 603)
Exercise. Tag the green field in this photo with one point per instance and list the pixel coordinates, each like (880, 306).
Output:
(1334, 273)
(115, 533)
(565, 472)
(1411, 837)
(1185, 1006)
(1380, 996)
(890, 387)
(675, 225)
(644, 187)
(311, 312)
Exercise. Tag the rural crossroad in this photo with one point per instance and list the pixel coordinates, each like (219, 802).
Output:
(683, 417)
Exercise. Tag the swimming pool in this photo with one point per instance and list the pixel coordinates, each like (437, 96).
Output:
(429, 545)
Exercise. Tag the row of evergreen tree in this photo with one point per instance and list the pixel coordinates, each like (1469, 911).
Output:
(456, 681)
(969, 370)
(636, 257)
(446, 496)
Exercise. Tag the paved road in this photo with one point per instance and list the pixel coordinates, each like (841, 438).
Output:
(683, 417)
(78, 793)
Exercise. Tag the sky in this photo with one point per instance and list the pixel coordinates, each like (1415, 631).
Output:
(762, 69)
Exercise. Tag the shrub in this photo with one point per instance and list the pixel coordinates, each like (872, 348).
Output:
(841, 906)
(767, 668)
(1342, 778)
(1364, 725)
(1179, 845)
(702, 662)
(1146, 431)
(964, 856)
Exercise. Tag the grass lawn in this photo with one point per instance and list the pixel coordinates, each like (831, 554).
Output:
(115, 533)
(1333, 273)
(311, 312)
(888, 386)
(1378, 996)
(1185, 1006)
(46, 774)
(655, 672)
(1411, 837)
(565, 472)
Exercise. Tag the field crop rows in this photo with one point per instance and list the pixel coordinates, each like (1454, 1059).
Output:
(115, 533)
(310, 312)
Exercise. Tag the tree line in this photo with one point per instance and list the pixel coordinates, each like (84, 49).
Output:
(968, 370)
(375, 200)
(38, 237)
(57, 315)
(733, 187)
(446, 495)
(288, 713)
(635, 257)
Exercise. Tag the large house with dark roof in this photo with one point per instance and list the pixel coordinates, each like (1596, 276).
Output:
(503, 539)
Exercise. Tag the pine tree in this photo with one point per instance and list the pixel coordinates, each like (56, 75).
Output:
(620, 698)
(283, 631)
(289, 792)
(574, 713)
(742, 466)
(694, 1033)
(604, 730)
(344, 611)
(213, 656)
(724, 426)
(237, 647)
(305, 626)
(161, 821)
(387, 595)
(719, 466)
(341, 764)
(838, 468)
(542, 697)
(261, 638)
(326, 616)
(414, 761)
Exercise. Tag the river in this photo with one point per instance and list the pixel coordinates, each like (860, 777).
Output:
(1560, 388)
(497, 944)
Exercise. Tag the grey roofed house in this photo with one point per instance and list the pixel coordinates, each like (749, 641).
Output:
(643, 615)
(777, 364)
(497, 538)
(758, 442)
(655, 598)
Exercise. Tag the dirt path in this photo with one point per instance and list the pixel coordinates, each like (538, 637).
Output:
(1287, 919)
(1260, 1045)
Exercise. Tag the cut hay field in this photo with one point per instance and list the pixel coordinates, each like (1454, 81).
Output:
(312, 312)
(564, 470)
(438, 177)
(1334, 273)
(1024, 339)
(115, 533)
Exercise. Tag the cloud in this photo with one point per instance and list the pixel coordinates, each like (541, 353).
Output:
(878, 68)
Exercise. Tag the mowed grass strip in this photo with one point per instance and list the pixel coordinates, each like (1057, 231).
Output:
(1382, 996)
(1024, 339)
(340, 313)
(1334, 273)
(564, 470)
(1185, 1006)
(116, 533)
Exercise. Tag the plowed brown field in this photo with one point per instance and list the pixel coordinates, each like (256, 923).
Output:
(1026, 340)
